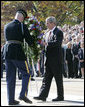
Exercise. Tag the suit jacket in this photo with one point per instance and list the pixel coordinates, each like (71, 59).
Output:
(54, 50)
(75, 48)
(81, 54)
(69, 55)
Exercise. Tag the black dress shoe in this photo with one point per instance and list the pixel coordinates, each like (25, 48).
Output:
(25, 99)
(14, 102)
(58, 99)
(40, 98)
(32, 79)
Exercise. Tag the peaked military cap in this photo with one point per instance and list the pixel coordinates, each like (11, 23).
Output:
(23, 12)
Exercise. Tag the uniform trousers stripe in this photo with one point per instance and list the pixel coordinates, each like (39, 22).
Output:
(29, 77)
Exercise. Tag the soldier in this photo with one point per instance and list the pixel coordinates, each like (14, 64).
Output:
(53, 63)
(15, 32)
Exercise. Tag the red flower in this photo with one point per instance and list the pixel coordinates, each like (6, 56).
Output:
(27, 17)
(34, 29)
(39, 41)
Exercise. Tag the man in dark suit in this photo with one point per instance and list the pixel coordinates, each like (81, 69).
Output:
(15, 32)
(53, 41)
(69, 60)
(75, 49)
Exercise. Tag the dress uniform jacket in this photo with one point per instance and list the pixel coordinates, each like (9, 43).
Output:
(13, 31)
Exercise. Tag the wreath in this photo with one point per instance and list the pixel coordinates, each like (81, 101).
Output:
(36, 32)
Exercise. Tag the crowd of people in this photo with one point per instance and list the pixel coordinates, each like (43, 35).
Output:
(73, 44)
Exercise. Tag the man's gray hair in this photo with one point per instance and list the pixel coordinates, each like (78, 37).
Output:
(18, 14)
(51, 19)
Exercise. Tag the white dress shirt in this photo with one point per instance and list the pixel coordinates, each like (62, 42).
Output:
(47, 34)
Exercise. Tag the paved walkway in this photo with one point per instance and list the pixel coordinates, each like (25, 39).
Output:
(73, 93)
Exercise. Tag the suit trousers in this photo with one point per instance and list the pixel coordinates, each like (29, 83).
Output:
(11, 66)
(53, 69)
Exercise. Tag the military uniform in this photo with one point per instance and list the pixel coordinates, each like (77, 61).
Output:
(15, 57)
